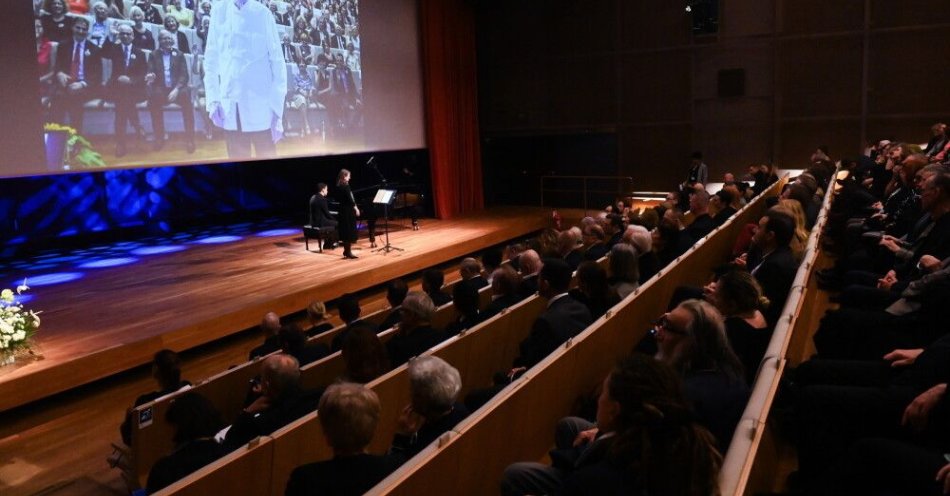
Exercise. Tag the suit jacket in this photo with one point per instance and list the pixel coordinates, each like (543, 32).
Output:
(92, 62)
(183, 42)
(289, 407)
(440, 298)
(339, 476)
(138, 65)
(529, 285)
(564, 318)
(478, 282)
(183, 461)
(338, 41)
(701, 226)
(179, 71)
(319, 211)
(282, 19)
(340, 338)
(407, 344)
(596, 251)
(405, 447)
(497, 305)
(775, 274)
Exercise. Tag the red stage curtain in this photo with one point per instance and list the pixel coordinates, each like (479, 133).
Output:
(451, 97)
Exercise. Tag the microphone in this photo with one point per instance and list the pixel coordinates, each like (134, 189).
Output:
(371, 159)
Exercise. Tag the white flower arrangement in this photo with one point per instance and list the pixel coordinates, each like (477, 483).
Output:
(17, 324)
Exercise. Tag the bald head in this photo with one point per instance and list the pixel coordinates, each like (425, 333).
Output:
(271, 323)
(530, 262)
(469, 268)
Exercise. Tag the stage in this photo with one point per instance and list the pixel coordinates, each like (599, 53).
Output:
(109, 309)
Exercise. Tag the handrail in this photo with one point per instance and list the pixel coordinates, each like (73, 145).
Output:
(585, 190)
(737, 471)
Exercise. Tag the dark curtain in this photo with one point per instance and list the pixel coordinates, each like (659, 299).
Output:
(451, 97)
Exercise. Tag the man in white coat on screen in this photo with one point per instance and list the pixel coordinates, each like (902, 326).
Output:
(245, 77)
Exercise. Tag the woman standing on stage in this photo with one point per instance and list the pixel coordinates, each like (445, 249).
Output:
(348, 212)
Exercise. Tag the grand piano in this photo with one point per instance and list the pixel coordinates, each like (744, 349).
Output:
(409, 202)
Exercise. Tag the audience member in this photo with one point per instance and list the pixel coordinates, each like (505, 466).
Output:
(470, 270)
(270, 326)
(414, 333)
(195, 421)
(126, 85)
(167, 82)
(692, 339)
(771, 261)
(281, 401)
(364, 355)
(79, 76)
(648, 264)
(505, 290)
(396, 291)
(293, 342)
(624, 270)
(568, 249)
(465, 297)
(702, 223)
(646, 441)
(698, 170)
(738, 297)
(592, 289)
(434, 386)
(166, 370)
(530, 263)
(317, 317)
(349, 308)
(432, 282)
(563, 319)
(349, 414)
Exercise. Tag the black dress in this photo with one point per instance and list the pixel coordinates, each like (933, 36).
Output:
(749, 343)
(347, 215)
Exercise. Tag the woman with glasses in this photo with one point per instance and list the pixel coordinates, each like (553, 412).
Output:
(646, 441)
(692, 339)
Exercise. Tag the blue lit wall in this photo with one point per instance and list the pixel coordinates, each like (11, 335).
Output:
(75, 209)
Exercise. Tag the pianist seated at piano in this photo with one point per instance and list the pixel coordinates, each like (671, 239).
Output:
(320, 215)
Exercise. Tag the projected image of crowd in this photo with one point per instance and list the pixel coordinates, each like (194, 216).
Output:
(100, 75)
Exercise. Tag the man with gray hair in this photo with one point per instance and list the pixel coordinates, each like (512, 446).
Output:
(641, 240)
(281, 401)
(414, 333)
(434, 386)
(167, 82)
(530, 263)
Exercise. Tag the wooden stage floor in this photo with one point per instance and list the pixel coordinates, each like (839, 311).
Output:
(114, 319)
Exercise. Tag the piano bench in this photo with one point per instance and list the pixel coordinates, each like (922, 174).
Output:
(320, 234)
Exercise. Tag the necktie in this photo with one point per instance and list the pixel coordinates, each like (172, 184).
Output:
(74, 68)
(128, 52)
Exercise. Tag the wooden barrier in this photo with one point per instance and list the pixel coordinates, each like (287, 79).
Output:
(253, 459)
(302, 441)
(472, 461)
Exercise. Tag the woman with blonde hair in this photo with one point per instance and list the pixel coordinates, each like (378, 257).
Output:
(800, 237)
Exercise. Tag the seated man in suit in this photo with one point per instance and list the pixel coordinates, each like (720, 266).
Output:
(79, 76)
(281, 402)
(126, 85)
(167, 82)
(563, 319)
(772, 262)
(530, 263)
(349, 414)
(415, 333)
(471, 271)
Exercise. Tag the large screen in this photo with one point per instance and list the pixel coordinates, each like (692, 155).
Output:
(136, 83)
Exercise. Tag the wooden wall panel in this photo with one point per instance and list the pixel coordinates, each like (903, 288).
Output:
(582, 91)
(654, 155)
(886, 13)
(820, 77)
(656, 87)
(820, 16)
(909, 72)
(648, 24)
(800, 139)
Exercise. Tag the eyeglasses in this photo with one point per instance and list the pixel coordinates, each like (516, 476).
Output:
(664, 323)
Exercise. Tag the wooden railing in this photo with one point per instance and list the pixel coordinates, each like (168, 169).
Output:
(750, 463)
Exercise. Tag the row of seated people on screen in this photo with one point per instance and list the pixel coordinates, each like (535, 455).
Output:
(871, 405)
(102, 32)
(694, 361)
(57, 26)
(78, 76)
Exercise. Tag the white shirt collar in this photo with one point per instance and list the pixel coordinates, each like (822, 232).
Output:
(555, 298)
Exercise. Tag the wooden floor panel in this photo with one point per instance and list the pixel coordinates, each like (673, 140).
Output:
(115, 319)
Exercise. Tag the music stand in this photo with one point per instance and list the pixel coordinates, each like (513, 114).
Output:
(385, 198)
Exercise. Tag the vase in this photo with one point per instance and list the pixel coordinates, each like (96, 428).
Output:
(7, 358)
(56, 150)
